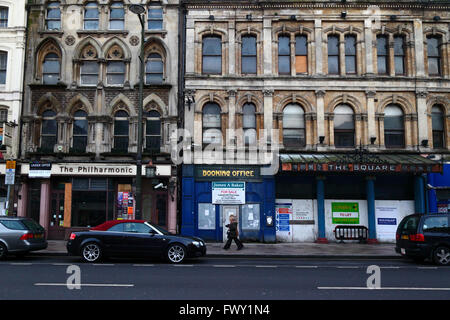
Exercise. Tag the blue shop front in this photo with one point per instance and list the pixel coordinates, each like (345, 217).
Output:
(211, 193)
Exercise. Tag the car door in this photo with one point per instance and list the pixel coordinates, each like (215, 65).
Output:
(113, 240)
(142, 240)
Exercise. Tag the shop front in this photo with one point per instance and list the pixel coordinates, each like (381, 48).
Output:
(212, 193)
(317, 192)
(76, 196)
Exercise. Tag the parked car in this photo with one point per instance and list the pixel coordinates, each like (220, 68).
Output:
(133, 238)
(425, 236)
(20, 235)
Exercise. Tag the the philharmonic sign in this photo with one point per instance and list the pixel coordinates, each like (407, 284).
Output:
(228, 192)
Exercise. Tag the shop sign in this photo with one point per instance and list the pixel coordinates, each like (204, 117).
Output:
(40, 170)
(228, 192)
(345, 212)
(359, 167)
(212, 173)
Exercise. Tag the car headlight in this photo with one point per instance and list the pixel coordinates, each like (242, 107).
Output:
(197, 243)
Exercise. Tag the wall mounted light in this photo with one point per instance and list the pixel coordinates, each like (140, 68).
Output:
(424, 143)
(321, 139)
(393, 17)
(436, 18)
(293, 18)
(372, 140)
(211, 17)
(343, 14)
(249, 16)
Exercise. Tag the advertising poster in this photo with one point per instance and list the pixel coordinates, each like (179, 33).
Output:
(345, 212)
(387, 221)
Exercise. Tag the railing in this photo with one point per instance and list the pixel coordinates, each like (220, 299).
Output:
(360, 233)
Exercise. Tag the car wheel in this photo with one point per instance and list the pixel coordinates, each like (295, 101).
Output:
(176, 253)
(442, 256)
(3, 251)
(91, 252)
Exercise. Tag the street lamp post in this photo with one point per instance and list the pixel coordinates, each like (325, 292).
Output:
(139, 10)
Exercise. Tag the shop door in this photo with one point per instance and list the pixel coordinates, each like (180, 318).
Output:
(159, 212)
(56, 230)
(227, 211)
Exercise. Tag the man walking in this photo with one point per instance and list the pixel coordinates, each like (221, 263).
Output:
(233, 234)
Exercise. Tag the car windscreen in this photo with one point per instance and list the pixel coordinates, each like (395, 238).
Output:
(33, 225)
(162, 230)
(13, 224)
(409, 224)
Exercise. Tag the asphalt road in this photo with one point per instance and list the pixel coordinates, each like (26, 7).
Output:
(41, 277)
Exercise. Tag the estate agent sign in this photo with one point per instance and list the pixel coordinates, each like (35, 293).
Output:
(345, 212)
(228, 192)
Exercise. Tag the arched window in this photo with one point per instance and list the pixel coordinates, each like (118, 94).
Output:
(116, 16)
(344, 126)
(350, 54)
(115, 66)
(53, 16)
(91, 16)
(4, 17)
(152, 131)
(437, 124)
(80, 131)
(249, 123)
(154, 68)
(394, 128)
(3, 66)
(49, 131)
(248, 52)
(333, 55)
(212, 55)
(293, 126)
(51, 68)
(284, 55)
(434, 55)
(301, 54)
(382, 55)
(399, 55)
(212, 124)
(121, 131)
(89, 68)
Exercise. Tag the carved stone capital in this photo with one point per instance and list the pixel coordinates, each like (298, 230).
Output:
(320, 93)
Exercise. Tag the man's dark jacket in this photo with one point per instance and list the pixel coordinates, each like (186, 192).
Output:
(232, 230)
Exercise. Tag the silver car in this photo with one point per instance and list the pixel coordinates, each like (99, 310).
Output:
(20, 235)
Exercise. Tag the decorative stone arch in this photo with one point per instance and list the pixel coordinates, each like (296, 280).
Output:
(115, 41)
(47, 46)
(211, 31)
(156, 45)
(294, 98)
(350, 100)
(154, 102)
(46, 102)
(211, 98)
(403, 103)
(86, 42)
(121, 102)
(79, 102)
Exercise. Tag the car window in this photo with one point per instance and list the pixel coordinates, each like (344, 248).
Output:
(436, 224)
(410, 224)
(136, 227)
(118, 227)
(13, 224)
(33, 225)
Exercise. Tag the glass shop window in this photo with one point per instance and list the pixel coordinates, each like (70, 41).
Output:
(250, 217)
(206, 216)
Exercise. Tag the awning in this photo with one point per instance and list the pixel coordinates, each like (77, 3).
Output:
(359, 163)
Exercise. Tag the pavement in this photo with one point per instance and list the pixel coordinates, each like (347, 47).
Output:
(276, 250)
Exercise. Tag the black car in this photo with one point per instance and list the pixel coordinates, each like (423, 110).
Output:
(133, 238)
(425, 236)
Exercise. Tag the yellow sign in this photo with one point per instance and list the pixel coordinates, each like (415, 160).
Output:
(10, 165)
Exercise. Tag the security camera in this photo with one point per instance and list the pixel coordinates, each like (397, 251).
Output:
(159, 186)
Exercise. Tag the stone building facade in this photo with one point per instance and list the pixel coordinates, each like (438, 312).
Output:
(12, 50)
(367, 83)
(81, 112)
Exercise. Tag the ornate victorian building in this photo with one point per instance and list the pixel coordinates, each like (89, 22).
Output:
(80, 116)
(353, 94)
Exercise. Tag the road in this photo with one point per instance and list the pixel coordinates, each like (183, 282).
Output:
(213, 278)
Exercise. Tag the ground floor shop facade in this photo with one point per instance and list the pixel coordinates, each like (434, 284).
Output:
(66, 197)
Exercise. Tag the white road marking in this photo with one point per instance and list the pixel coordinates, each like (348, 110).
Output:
(183, 265)
(21, 263)
(347, 267)
(307, 267)
(87, 284)
(143, 265)
(103, 264)
(266, 266)
(223, 266)
(432, 268)
(383, 288)
(62, 264)
(390, 267)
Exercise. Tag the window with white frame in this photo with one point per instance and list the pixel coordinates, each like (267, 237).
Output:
(3, 66)
(4, 17)
(155, 18)
(91, 16)
(116, 16)
(53, 16)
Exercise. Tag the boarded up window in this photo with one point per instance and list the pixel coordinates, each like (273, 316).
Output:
(301, 64)
(301, 54)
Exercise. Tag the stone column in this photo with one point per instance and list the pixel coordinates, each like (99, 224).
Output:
(172, 207)
(267, 42)
(422, 118)
(319, 45)
(368, 46)
(371, 127)
(370, 194)
(231, 48)
(342, 55)
(419, 194)
(190, 46)
(320, 94)
(419, 48)
(268, 112)
(23, 200)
